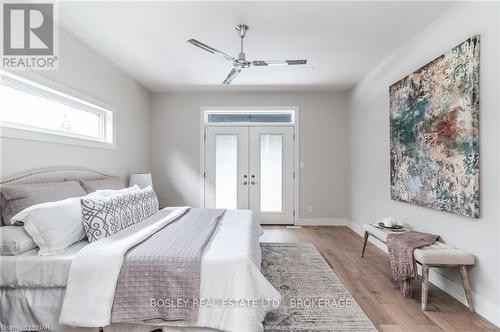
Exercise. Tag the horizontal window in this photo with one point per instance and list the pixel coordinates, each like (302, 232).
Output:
(237, 117)
(31, 106)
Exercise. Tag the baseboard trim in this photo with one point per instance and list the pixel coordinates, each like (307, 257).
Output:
(322, 222)
(484, 308)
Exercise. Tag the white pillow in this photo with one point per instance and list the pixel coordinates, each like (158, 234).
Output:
(104, 193)
(53, 226)
(14, 240)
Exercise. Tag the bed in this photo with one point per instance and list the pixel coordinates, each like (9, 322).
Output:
(34, 288)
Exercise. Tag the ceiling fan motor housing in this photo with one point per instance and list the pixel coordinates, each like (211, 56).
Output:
(241, 62)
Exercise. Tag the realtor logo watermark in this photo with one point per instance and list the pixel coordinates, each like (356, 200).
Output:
(30, 36)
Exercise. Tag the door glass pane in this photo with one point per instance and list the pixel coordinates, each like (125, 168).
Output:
(226, 171)
(271, 177)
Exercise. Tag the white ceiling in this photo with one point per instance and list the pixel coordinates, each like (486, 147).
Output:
(341, 40)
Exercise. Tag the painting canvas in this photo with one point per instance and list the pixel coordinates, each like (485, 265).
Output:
(434, 133)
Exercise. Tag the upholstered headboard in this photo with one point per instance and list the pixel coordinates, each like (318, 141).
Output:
(53, 174)
(40, 176)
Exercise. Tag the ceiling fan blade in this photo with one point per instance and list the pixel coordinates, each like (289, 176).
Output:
(209, 49)
(232, 74)
(279, 62)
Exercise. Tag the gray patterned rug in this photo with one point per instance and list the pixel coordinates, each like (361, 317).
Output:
(313, 298)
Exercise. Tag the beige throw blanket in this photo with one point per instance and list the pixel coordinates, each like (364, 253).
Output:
(401, 247)
(160, 277)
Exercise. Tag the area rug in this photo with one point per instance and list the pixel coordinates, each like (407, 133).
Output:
(313, 298)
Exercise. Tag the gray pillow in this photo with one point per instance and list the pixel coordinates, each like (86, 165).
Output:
(3, 206)
(105, 217)
(17, 197)
(14, 240)
(109, 183)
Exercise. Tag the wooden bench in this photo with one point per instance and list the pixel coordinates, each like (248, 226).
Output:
(435, 255)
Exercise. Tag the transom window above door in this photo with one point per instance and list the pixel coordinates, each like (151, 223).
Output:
(221, 117)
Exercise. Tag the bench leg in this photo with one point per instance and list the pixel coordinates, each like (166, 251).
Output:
(365, 240)
(425, 285)
(465, 281)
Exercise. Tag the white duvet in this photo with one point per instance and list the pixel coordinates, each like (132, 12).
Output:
(230, 270)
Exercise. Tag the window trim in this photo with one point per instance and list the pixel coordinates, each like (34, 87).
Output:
(27, 132)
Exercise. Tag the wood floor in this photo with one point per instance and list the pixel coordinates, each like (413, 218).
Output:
(368, 280)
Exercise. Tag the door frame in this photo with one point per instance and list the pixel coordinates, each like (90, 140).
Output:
(296, 144)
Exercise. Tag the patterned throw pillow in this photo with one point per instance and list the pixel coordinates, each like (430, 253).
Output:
(105, 217)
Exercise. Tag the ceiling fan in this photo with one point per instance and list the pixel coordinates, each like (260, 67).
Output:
(241, 62)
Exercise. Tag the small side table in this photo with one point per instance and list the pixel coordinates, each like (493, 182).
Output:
(378, 233)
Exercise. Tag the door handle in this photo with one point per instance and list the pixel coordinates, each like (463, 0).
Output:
(253, 182)
(245, 183)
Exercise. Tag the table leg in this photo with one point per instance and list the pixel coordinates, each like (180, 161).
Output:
(425, 285)
(365, 240)
(465, 281)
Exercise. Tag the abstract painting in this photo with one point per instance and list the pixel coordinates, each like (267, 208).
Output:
(434, 133)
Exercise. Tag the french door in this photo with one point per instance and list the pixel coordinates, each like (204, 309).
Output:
(250, 168)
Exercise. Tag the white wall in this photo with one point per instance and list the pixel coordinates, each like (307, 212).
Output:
(85, 71)
(323, 133)
(369, 147)
(346, 154)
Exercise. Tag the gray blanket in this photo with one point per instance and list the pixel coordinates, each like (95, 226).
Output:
(160, 277)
